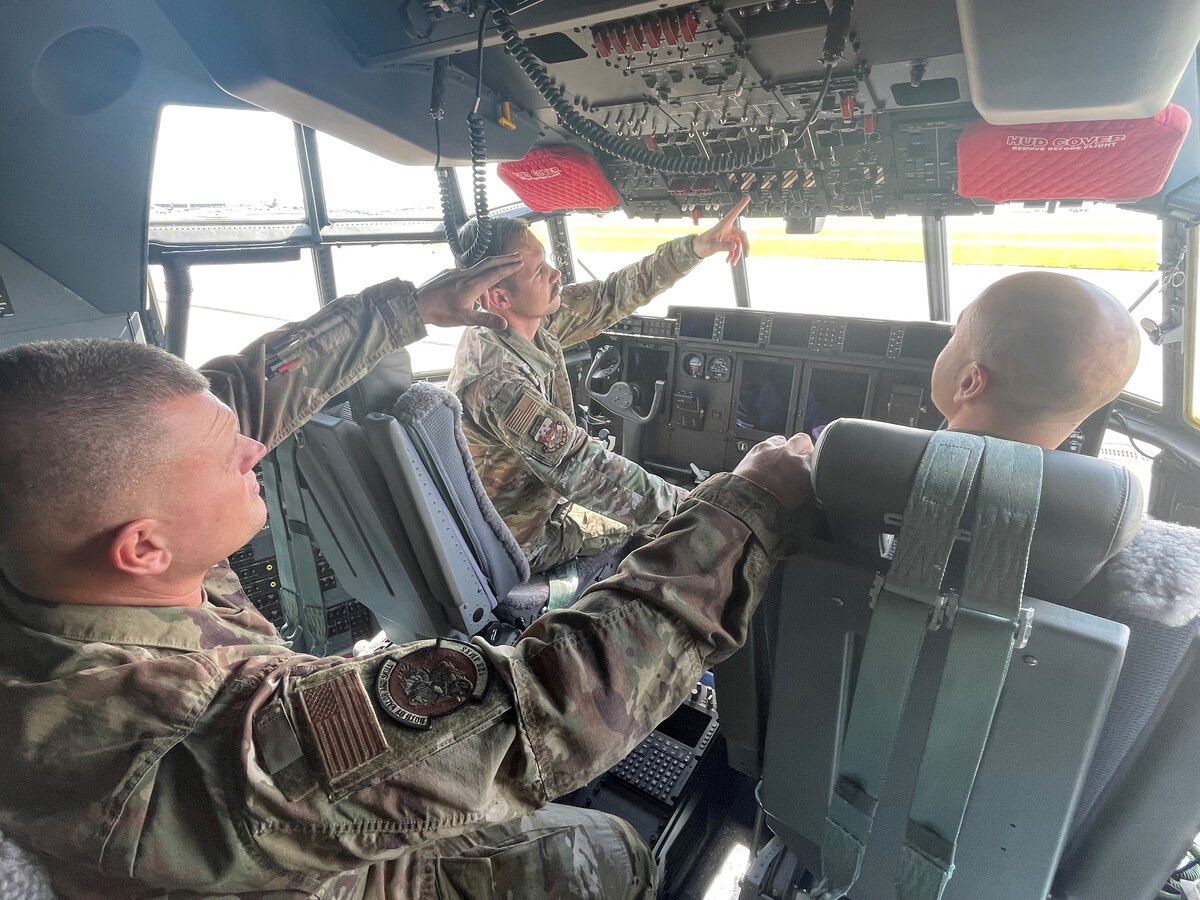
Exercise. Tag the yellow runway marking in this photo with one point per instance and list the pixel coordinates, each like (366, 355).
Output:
(1040, 244)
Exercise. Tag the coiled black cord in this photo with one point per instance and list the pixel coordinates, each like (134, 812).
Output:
(481, 245)
(600, 137)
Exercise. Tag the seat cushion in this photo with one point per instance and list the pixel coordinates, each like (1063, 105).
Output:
(21, 876)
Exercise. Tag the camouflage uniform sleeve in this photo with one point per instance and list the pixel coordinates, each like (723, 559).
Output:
(284, 377)
(331, 780)
(590, 307)
(566, 458)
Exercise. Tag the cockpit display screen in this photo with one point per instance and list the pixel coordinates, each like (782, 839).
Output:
(834, 394)
(697, 325)
(646, 364)
(867, 337)
(643, 367)
(791, 333)
(741, 328)
(923, 343)
(764, 395)
(686, 725)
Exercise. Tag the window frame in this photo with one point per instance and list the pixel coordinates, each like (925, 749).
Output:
(236, 242)
(1191, 338)
(277, 242)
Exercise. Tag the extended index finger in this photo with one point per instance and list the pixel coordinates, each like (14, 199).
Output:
(736, 211)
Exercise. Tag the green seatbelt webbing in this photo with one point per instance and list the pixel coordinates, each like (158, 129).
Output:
(911, 591)
(984, 633)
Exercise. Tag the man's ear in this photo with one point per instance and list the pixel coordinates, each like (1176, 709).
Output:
(138, 548)
(972, 382)
(495, 299)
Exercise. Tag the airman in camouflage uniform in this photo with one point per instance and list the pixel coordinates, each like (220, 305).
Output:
(560, 491)
(185, 750)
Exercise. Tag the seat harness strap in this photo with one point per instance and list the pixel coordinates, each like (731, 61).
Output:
(907, 602)
(985, 631)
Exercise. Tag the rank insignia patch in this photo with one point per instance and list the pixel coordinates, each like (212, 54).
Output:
(433, 678)
(550, 433)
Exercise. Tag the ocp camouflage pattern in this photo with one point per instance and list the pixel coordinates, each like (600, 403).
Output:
(156, 750)
(568, 498)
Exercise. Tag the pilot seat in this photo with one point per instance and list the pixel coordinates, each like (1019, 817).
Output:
(388, 491)
(941, 719)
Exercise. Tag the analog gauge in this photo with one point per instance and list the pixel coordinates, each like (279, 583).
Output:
(718, 368)
(693, 364)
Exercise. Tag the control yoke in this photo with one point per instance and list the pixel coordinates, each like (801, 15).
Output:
(620, 398)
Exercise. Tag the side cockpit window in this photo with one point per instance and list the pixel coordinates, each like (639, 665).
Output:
(276, 220)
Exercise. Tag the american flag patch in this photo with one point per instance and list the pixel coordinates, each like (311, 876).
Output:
(521, 416)
(344, 727)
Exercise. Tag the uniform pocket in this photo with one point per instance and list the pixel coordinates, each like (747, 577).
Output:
(536, 865)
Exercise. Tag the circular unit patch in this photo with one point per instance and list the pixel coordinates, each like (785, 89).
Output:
(432, 679)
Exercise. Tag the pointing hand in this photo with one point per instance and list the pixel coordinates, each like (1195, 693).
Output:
(725, 235)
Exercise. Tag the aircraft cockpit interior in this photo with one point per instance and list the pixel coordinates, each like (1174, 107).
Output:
(734, 378)
(1006, 713)
(726, 380)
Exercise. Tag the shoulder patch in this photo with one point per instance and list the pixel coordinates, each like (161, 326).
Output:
(523, 412)
(430, 679)
(550, 433)
(344, 728)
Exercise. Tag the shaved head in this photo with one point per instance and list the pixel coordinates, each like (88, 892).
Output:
(1034, 356)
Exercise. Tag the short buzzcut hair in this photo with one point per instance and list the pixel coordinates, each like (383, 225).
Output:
(79, 420)
(507, 235)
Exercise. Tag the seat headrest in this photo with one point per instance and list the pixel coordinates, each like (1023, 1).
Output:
(862, 473)
(379, 389)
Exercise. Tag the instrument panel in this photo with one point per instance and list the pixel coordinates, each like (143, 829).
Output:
(710, 367)
(869, 338)
(735, 377)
